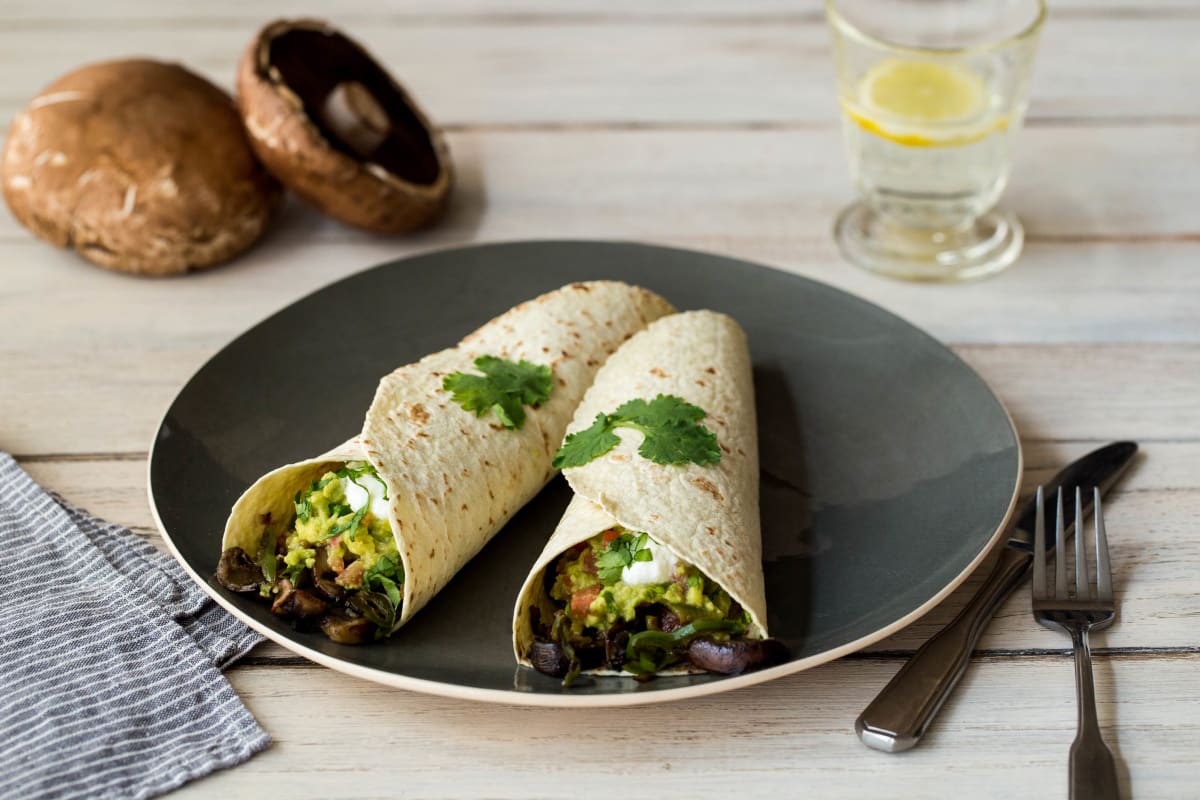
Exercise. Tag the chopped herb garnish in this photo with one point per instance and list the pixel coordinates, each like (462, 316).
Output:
(505, 387)
(671, 426)
(348, 524)
(620, 553)
(303, 502)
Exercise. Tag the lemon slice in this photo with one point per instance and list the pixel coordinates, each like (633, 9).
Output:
(924, 104)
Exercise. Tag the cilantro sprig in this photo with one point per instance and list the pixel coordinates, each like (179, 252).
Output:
(670, 424)
(620, 553)
(505, 387)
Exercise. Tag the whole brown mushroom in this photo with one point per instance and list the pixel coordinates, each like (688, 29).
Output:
(337, 129)
(139, 165)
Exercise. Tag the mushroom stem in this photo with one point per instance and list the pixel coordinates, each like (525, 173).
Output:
(353, 114)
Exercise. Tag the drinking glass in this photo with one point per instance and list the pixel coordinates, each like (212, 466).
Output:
(932, 93)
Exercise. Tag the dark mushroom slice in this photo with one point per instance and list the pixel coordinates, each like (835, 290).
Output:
(345, 629)
(237, 572)
(329, 121)
(548, 658)
(297, 603)
(324, 577)
(736, 655)
(616, 641)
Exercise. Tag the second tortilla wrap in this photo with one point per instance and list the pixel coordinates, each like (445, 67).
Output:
(707, 515)
(453, 478)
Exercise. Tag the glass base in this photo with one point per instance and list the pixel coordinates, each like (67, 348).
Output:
(876, 244)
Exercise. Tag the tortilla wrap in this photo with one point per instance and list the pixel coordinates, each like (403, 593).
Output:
(454, 479)
(707, 515)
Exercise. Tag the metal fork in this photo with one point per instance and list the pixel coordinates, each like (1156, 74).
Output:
(1093, 772)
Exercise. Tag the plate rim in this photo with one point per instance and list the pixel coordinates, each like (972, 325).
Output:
(515, 697)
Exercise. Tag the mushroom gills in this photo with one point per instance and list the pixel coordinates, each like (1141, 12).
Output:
(353, 102)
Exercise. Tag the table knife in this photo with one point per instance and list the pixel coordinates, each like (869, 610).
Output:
(899, 716)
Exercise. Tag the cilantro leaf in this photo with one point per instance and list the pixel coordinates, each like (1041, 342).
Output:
(505, 388)
(620, 553)
(303, 500)
(671, 426)
(387, 566)
(351, 524)
(581, 447)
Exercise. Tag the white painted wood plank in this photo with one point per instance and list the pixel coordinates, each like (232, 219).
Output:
(1153, 518)
(66, 11)
(514, 11)
(1005, 734)
(767, 186)
(603, 70)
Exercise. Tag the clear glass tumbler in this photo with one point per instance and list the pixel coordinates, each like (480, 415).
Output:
(932, 94)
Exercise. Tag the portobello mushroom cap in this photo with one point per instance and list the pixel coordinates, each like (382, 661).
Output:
(141, 166)
(336, 128)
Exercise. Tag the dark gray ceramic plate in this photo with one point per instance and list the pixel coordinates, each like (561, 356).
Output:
(888, 466)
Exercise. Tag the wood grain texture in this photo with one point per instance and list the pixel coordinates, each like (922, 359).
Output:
(1005, 734)
(176, 12)
(773, 186)
(611, 69)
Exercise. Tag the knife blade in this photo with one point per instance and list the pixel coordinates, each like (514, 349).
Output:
(901, 713)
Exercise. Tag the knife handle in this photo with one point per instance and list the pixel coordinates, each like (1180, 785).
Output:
(897, 718)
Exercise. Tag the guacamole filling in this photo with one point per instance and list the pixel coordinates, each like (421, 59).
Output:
(332, 564)
(623, 602)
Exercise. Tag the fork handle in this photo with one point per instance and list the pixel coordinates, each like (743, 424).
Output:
(1093, 773)
(898, 717)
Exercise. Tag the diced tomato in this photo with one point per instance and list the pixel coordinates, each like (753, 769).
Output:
(582, 600)
(610, 535)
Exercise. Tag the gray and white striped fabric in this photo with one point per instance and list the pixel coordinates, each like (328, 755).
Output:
(110, 659)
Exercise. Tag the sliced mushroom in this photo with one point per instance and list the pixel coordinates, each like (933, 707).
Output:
(616, 642)
(345, 629)
(237, 572)
(324, 577)
(548, 658)
(297, 603)
(736, 655)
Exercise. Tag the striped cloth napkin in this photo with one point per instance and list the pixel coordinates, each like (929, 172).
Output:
(110, 659)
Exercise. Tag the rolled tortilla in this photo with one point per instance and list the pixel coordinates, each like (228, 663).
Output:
(454, 479)
(707, 515)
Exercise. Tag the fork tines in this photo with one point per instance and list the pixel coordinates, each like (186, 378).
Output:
(1082, 587)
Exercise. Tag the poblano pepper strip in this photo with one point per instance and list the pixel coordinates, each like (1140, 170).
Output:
(650, 651)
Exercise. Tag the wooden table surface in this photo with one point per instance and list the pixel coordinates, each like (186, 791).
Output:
(709, 125)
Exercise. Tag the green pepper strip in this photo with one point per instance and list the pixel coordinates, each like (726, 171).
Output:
(640, 653)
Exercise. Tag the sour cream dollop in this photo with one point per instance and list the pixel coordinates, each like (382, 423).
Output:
(366, 489)
(660, 569)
